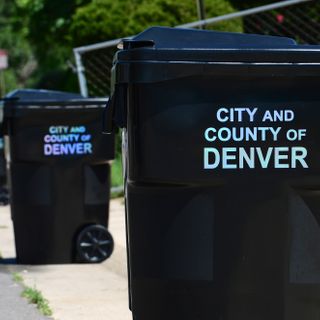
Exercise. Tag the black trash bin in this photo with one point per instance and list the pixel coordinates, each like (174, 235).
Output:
(59, 177)
(4, 195)
(222, 148)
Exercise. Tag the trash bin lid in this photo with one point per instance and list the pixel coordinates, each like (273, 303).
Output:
(166, 50)
(35, 99)
(165, 38)
(40, 94)
(174, 44)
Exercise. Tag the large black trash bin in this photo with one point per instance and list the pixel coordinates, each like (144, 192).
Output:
(222, 148)
(59, 177)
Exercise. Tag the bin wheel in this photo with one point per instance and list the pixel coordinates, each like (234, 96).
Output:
(94, 244)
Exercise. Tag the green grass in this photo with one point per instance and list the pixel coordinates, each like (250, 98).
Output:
(116, 172)
(17, 277)
(35, 296)
(116, 194)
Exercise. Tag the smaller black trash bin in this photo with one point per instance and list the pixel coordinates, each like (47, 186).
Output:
(59, 177)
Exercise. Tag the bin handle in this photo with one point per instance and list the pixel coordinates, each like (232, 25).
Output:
(115, 112)
(107, 125)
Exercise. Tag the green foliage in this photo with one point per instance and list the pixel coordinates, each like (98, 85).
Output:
(35, 296)
(116, 172)
(13, 38)
(17, 277)
(48, 25)
(108, 19)
(40, 34)
(48, 33)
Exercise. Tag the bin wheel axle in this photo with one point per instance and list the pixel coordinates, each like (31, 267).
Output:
(94, 244)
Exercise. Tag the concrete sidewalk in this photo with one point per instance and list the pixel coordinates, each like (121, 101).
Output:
(78, 291)
(12, 306)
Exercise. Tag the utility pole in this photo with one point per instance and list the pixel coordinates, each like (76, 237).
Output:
(201, 11)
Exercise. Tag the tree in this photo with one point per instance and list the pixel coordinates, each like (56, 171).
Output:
(42, 33)
(101, 20)
(48, 27)
(13, 38)
(48, 33)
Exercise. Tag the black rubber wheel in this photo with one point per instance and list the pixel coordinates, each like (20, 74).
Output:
(94, 244)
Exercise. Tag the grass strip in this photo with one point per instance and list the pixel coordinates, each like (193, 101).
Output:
(33, 295)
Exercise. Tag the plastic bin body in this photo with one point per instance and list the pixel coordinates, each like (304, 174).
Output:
(56, 190)
(234, 239)
(3, 169)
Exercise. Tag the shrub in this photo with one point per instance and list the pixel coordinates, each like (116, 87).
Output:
(101, 20)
